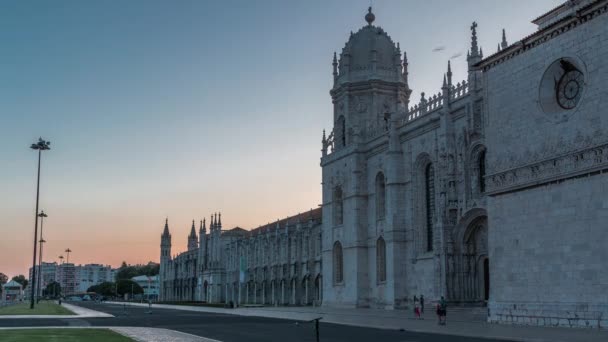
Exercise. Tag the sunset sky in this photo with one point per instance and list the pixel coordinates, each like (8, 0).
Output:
(180, 109)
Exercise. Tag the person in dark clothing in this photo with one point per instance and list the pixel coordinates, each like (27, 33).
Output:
(442, 310)
(421, 304)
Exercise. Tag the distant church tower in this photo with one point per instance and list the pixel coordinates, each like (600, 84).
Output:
(165, 255)
(192, 238)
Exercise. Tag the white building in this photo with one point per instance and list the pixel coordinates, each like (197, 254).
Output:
(491, 191)
(12, 292)
(73, 278)
(150, 284)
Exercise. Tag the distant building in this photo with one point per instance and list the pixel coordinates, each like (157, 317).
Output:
(150, 284)
(12, 291)
(276, 264)
(72, 278)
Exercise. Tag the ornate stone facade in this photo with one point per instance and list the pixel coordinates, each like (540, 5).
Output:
(276, 264)
(489, 192)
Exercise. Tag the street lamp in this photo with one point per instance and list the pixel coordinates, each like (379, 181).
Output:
(42, 215)
(68, 251)
(41, 145)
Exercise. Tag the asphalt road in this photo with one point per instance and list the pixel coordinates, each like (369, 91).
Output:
(232, 328)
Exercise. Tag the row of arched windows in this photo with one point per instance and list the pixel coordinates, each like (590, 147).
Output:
(429, 211)
(338, 258)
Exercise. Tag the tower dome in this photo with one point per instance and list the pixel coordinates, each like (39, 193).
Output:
(370, 53)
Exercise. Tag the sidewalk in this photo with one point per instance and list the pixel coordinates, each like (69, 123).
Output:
(398, 319)
(79, 312)
(139, 334)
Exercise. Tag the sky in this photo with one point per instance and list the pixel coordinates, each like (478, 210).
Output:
(181, 109)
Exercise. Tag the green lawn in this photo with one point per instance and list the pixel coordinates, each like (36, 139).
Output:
(62, 335)
(42, 308)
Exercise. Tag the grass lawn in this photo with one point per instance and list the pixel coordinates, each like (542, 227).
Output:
(42, 308)
(62, 335)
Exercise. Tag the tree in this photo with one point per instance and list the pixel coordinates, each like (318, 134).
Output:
(127, 285)
(21, 280)
(53, 289)
(3, 278)
(105, 289)
(129, 271)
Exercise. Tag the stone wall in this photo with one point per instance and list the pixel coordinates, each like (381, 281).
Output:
(547, 180)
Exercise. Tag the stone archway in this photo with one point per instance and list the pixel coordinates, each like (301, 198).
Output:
(475, 254)
(468, 266)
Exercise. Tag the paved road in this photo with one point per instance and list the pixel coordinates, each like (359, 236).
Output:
(232, 328)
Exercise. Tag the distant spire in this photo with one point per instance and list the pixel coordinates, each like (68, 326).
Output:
(219, 222)
(201, 230)
(445, 83)
(498, 50)
(449, 74)
(405, 64)
(370, 17)
(166, 230)
(335, 66)
(504, 43)
(192, 230)
(474, 46)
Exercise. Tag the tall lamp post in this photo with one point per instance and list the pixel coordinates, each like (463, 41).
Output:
(41, 145)
(42, 215)
(68, 251)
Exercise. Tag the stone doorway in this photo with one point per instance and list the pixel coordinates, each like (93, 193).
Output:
(468, 267)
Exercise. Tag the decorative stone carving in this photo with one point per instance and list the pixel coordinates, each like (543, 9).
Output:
(561, 167)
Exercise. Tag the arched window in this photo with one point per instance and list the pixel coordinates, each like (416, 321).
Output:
(338, 263)
(341, 131)
(338, 207)
(381, 259)
(482, 171)
(380, 196)
(429, 185)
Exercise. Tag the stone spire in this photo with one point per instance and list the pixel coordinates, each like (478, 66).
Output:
(219, 222)
(405, 64)
(192, 238)
(503, 43)
(335, 66)
(203, 229)
(449, 74)
(166, 230)
(474, 47)
(193, 230)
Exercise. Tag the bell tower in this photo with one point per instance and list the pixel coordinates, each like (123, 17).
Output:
(165, 257)
(370, 80)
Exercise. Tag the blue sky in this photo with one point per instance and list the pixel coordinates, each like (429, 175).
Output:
(184, 108)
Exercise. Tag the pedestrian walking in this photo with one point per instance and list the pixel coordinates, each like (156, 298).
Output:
(416, 308)
(442, 310)
(421, 303)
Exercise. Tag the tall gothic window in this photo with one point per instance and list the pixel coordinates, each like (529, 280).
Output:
(338, 207)
(341, 131)
(429, 177)
(338, 263)
(482, 171)
(380, 196)
(381, 259)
